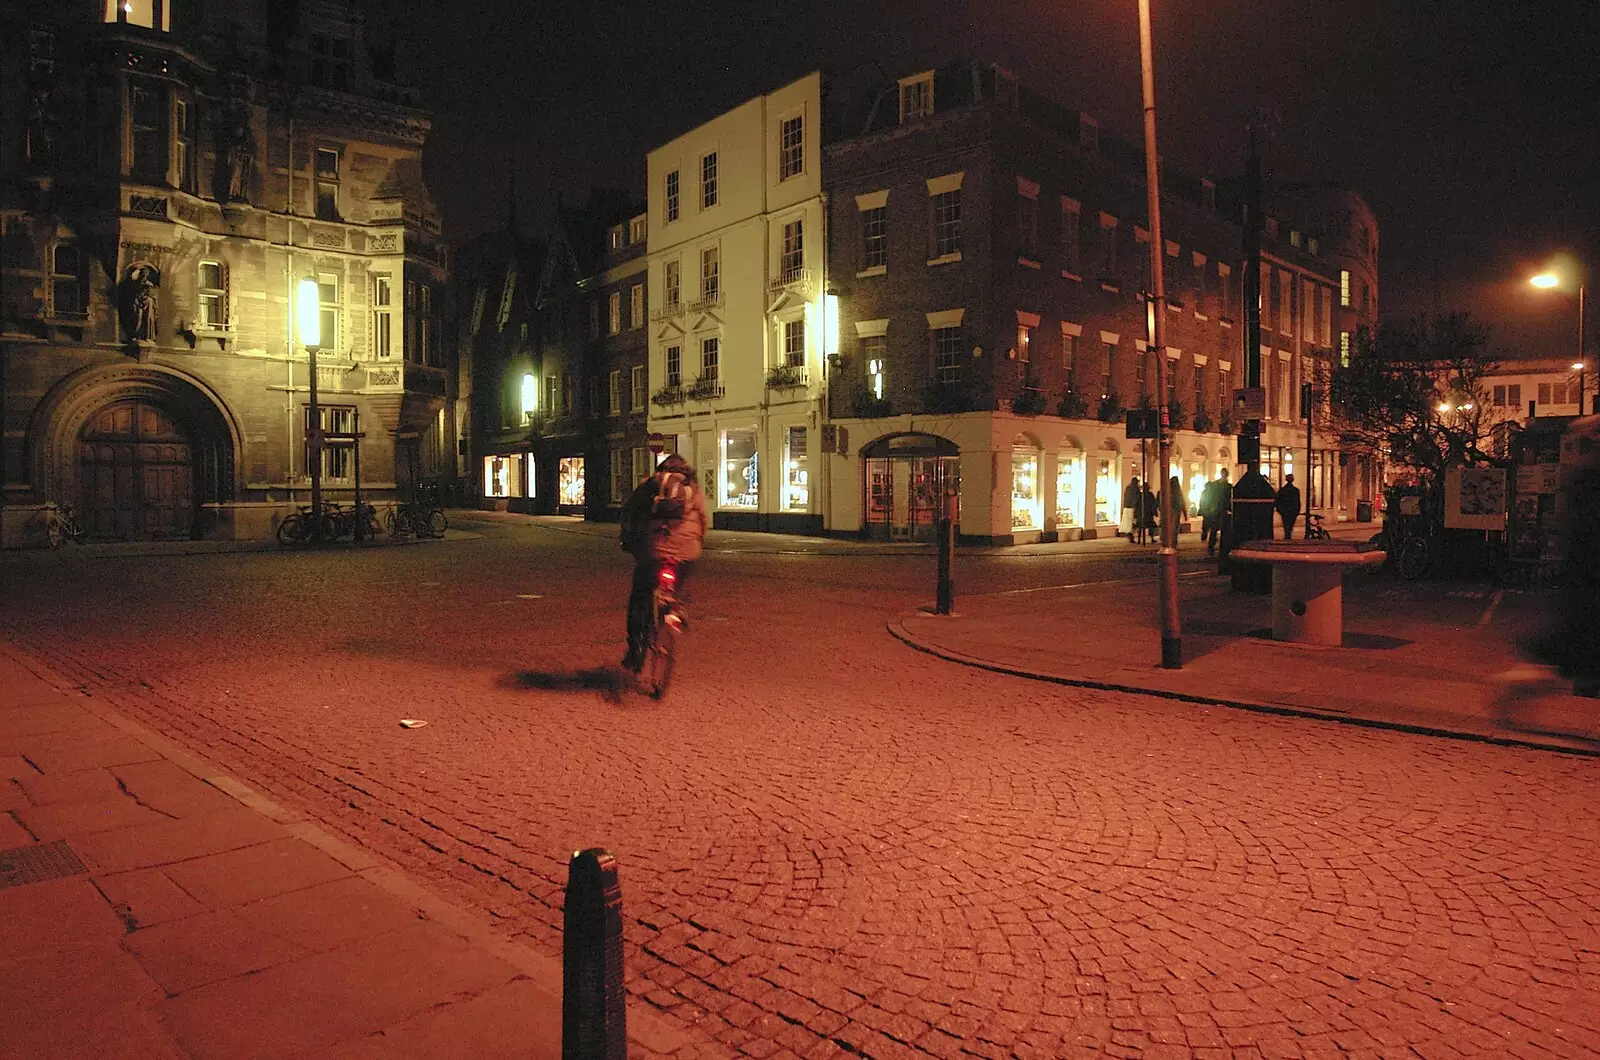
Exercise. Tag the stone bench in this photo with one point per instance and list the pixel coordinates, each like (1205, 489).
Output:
(1308, 584)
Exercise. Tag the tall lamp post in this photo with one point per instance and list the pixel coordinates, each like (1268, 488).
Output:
(308, 318)
(1551, 279)
(1167, 566)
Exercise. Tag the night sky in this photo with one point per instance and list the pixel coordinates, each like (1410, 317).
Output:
(1472, 128)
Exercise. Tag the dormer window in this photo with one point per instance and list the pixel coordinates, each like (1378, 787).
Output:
(151, 14)
(614, 238)
(1088, 133)
(636, 230)
(916, 97)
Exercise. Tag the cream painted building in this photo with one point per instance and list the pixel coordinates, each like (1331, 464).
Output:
(737, 275)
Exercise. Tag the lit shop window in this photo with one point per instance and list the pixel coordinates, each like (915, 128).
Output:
(1106, 499)
(1069, 491)
(796, 475)
(1197, 483)
(572, 480)
(1027, 508)
(502, 475)
(740, 469)
(151, 14)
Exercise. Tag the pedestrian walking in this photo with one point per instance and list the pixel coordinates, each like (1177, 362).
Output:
(1221, 511)
(1148, 509)
(1180, 507)
(1129, 521)
(1288, 505)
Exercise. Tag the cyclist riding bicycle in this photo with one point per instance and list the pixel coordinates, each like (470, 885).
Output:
(663, 524)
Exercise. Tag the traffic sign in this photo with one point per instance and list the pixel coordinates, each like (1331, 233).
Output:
(658, 442)
(1141, 423)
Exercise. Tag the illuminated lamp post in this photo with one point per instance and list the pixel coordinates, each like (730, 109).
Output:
(1551, 279)
(308, 317)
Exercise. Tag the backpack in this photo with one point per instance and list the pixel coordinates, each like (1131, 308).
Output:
(672, 491)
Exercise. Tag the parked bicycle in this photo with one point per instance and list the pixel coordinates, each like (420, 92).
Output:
(61, 524)
(415, 518)
(661, 636)
(1315, 531)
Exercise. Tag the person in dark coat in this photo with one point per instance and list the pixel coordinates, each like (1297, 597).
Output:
(1150, 508)
(1213, 499)
(1288, 505)
(1129, 523)
(1180, 506)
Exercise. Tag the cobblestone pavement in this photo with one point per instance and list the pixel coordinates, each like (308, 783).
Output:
(831, 844)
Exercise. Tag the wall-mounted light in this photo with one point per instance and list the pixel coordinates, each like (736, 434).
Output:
(830, 323)
(530, 395)
(308, 312)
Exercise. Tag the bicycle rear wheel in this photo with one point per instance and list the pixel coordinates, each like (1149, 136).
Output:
(1413, 558)
(53, 533)
(436, 522)
(655, 673)
(292, 531)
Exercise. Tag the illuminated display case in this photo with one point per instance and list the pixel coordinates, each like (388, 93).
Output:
(1027, 507)
(796, 473)
(1107, 496)
(1069, 491)
(572, 480)
(740, 469)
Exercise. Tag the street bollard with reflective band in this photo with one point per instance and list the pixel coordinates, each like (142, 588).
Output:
(945, 595)
(593, 1002)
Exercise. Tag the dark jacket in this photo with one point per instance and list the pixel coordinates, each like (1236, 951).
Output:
(1288, 500)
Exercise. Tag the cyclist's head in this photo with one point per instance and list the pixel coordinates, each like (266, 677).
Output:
(677, 464)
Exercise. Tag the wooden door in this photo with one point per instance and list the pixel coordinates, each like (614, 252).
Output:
(135, 474)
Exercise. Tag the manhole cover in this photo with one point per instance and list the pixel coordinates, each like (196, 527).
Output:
(37, 863)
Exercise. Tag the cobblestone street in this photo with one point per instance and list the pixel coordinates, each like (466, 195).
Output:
(832, 844)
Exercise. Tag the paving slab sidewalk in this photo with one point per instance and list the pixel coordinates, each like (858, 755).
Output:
(1420, 657)
(153, 907)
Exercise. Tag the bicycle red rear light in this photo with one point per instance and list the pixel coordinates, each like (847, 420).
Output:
(669, 575)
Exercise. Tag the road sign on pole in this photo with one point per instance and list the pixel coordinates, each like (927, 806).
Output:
(658, 442)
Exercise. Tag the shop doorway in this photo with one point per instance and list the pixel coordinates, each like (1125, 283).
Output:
(906, 476)
(135, 474)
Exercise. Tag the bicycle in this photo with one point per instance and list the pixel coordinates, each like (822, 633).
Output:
(412, 517)
(1315, 531)
(61, 525)
(660, 638)
(296, 527)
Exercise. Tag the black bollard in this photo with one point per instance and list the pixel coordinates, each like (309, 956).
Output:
(945, 599)
(594, 1023)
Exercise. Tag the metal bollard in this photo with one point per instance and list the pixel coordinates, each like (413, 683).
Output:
(945, 599)
(594, 1023)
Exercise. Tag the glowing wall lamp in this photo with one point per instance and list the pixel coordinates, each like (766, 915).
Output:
(530, 397)
(308, 319)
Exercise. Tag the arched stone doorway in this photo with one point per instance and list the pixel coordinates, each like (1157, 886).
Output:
(135, 473)
(138, 448)
(905, 477)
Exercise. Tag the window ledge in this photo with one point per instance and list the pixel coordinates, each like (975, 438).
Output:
(1107, 285)
(945, 259)
(874, 270)
(1226, 322)
(1067, 274)
(1173, 306)
(1027, 262)
(1200, 316)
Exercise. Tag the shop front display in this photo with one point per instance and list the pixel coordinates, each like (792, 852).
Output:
(503, 475)
(1069, 491)
(796, 474)
(1027, 503)
(1107, 493)
(741, 482)
(571, 491)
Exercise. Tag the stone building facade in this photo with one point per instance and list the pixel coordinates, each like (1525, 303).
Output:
(178, 170)
(991, 257)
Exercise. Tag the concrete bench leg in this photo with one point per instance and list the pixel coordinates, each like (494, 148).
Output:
(1308, 603)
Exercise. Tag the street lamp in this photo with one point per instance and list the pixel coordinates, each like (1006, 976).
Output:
(308, 318)
(1551, 279)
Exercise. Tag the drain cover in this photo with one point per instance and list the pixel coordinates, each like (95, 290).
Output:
(37, 863)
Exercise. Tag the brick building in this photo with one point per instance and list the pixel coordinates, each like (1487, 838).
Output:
(168, 173)
(990, 253)
(556, 337)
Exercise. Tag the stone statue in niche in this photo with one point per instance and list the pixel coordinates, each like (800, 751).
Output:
(240, 157)
(40, 127)
(139, 302)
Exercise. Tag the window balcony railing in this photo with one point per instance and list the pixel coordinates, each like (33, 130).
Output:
(669, 395)
(668, 311)
(706, 388)
(790, 277)
(709, 302)
(786, 377)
